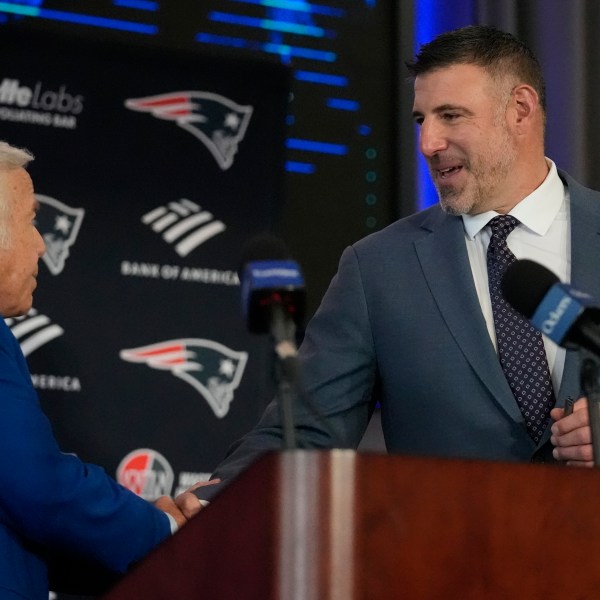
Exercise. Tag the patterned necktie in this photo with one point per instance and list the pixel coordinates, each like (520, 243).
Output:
(520, 346)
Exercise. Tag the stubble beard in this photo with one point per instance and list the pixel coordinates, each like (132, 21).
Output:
(455, 201)
(486, 176)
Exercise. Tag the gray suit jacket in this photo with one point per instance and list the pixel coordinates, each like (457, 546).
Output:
(401, 323)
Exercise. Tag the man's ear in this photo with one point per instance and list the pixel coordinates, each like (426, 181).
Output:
(526, 104)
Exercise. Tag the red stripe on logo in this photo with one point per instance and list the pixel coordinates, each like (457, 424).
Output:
(162, 350)
(160, 101)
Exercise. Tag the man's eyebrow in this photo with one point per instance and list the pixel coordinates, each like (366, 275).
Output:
(445, 108)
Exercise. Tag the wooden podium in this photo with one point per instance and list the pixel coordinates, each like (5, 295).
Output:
(308, 525)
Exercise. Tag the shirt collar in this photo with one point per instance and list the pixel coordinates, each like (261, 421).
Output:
(536, 211)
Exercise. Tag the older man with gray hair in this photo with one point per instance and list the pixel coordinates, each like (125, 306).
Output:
(51, 502)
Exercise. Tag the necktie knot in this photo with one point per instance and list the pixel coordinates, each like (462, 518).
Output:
(502, 226)
(499, 256)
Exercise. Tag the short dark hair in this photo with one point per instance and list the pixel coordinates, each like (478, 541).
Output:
(499, 52)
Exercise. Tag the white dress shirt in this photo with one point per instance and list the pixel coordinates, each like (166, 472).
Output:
(544, 236)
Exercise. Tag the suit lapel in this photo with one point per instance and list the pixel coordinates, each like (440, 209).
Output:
(445, 264)
(585, 263)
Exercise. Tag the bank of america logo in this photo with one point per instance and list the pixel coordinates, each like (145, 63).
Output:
(183, 224)
(33, 330)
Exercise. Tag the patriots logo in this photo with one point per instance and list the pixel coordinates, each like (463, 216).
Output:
(209, 367)
(59, 225)
(218, 122)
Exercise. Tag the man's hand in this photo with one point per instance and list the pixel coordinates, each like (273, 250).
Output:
(189, 504)
(167, 505)
(572, 435)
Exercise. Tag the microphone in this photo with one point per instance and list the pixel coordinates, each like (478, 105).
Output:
(273, 300)
(273, 292)
(568, 316)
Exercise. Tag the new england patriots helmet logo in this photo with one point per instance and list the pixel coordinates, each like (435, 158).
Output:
(218, 122)
(209, 367)
(59, 225)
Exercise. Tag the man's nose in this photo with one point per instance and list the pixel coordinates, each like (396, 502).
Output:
(40, 245)
(432, 138)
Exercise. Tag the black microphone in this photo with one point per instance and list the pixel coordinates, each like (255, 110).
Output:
(273, 291)
(273, 300)
(569, 317)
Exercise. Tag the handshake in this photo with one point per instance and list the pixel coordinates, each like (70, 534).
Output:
(184, 506)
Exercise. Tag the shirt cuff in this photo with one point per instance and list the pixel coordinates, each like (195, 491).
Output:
(172, 523)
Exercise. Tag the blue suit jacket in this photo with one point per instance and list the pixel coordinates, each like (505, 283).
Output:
(52, 502)
(401, 323)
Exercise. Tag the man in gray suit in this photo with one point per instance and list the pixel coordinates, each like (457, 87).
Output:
(408, 319)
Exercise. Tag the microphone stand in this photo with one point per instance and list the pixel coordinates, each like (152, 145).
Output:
(590, 384)
(283, 331)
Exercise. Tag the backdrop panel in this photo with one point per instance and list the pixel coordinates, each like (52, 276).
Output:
(152, 169)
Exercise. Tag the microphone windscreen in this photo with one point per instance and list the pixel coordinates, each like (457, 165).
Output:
(525, 284)
(264, 246)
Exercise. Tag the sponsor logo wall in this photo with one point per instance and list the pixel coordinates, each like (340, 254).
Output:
(152, 170)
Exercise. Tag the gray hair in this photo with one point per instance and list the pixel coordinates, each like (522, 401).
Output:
(10, 158)
(13, 158)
